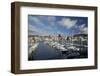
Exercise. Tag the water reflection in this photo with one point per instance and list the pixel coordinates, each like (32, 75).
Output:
(46, 50)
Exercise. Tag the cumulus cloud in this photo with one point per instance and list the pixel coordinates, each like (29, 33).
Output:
(51, 25)
(33, 30)
(67, 22)
(83, 29)
(51, 18)
(35, 19)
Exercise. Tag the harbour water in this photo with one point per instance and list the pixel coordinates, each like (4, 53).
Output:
(44, 51)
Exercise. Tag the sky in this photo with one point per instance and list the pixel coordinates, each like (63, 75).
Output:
(54, 25)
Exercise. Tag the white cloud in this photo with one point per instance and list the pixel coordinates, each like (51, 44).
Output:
(37, 31)
(82, 26)
(67, 22)
(32, 29)
(35, 19)
(51, 18)
(83, 29)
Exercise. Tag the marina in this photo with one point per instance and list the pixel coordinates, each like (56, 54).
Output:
(46, 49)
(57, 37)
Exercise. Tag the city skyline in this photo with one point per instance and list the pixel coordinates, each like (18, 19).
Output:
(54, 25)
